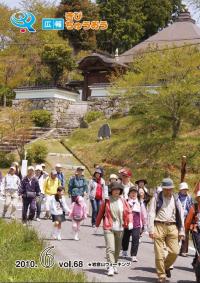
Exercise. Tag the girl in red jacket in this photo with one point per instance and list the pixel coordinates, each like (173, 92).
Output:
(116, 215)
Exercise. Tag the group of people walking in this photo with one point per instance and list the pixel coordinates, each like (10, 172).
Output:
(126, 208)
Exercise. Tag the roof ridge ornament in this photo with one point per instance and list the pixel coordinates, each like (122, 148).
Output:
(185, 16)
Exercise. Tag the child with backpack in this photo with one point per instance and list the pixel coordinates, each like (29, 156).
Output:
(58, 208)
(78, 213)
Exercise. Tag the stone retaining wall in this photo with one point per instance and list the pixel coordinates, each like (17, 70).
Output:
(56, 106)
(107, 105)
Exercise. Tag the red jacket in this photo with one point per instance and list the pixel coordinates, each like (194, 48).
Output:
(105, 213)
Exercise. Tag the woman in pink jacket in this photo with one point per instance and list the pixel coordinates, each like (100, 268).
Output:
(116, 215)
(139, 216)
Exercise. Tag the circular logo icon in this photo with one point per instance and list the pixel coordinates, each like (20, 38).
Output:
(47, 259)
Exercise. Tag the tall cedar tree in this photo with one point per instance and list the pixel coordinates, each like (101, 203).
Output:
(131, 21)
(79, 40)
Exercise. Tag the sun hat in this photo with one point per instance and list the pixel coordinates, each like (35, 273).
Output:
(38, 167)
(58, 165)
(133, 189)
(97, 171)
(183, 186)
(141, 180)
(167, 183)
(125, 172)
(80, 168)
(113, 176)
(31, 168)
(116, 186)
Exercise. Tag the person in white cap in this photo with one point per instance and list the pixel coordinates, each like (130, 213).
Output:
(192, 224)
(60, 174)
(41, 179)
(45, 173)
(10, 186)
(186, 202)
(166, 227)
(29, 190)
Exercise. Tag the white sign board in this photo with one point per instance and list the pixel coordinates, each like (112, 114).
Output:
(24, 167)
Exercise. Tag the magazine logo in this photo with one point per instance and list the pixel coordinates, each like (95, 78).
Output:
(23, 20)
(47, 259)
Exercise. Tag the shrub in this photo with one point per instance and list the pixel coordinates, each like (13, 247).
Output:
(37, 153)
(6, 159)
(93, 116)
(41, 118)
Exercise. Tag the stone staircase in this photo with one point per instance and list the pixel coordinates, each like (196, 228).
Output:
(72, 116)
(9, 144)
(71, 121)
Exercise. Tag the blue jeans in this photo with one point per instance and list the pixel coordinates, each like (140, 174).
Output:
(95, 209)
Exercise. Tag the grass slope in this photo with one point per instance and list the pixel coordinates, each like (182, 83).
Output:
(149, 155)
(20, 243)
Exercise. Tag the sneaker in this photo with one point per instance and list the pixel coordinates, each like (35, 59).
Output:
(38, 219)
(124, 254)
(134, 259)
(59, 238)
(171, 267)
(184, 254)
(76, 238)
(115, 270)
(110, 271)
(161, 280)
(3, 215)
(93, 226)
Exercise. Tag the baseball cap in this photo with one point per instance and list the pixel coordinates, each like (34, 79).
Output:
(31, 168)
(38, 167)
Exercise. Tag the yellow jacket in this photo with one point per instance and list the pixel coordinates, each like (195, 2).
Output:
(51, 185)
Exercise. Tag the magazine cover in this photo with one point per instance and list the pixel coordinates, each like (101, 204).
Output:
(99, 141)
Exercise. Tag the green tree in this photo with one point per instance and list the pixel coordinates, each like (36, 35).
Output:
(131, 21)
(163, 89)
(158, 14)
(58, 58)
(79, 40)
(125, 19)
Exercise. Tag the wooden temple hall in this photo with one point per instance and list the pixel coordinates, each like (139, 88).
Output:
(97, 68)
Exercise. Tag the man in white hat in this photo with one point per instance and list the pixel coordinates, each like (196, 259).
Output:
(186, 202)
(166, 226)
(10, 186)
(192, 223)
(60, 174)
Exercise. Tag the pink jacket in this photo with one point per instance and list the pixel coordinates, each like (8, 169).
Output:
(83, 207)
(105, 214)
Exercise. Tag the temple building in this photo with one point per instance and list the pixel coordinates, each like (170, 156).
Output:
(97, 69)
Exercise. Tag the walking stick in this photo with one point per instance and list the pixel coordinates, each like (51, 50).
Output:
(183, 168)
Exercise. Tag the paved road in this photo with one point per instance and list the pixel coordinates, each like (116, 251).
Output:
(91, 248)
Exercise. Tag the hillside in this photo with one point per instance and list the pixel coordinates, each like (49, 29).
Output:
(150, 156)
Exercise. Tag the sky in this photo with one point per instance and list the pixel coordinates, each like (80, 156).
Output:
(15, 3)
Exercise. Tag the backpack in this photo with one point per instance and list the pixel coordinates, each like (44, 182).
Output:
(77, 212)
